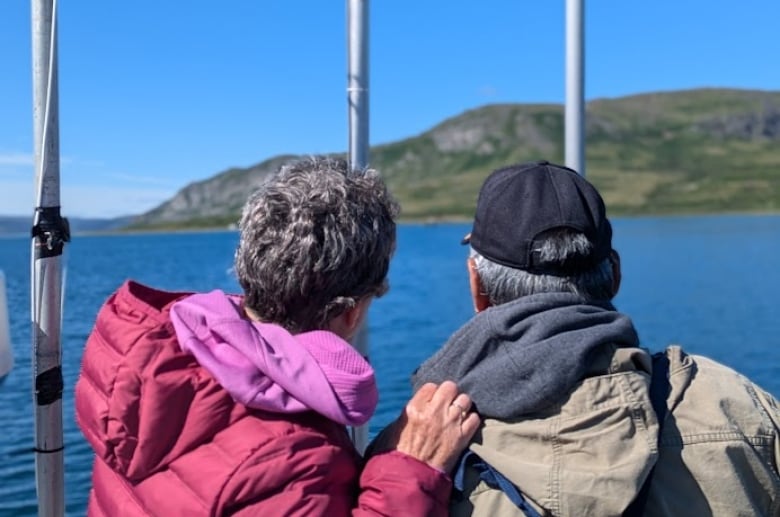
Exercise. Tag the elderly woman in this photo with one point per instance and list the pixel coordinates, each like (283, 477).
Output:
(212, 404)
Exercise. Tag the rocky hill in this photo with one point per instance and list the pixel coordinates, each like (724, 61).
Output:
(697, 151)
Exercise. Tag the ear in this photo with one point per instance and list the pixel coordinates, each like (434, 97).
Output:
(347, 323)
(478, 296)
(354, 317)
(614, 259)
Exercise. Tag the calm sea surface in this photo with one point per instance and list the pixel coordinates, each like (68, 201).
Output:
(709, 283)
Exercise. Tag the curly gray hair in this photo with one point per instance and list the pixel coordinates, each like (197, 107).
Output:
(315, 238)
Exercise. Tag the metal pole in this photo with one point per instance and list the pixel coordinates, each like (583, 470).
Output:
(357, 82)
(49, 233)
(575, 86)
(357, 99)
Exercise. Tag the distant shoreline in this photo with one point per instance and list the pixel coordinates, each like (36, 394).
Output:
(431, 221)
(428, 221)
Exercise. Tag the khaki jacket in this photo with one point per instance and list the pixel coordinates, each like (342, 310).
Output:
(590, 455)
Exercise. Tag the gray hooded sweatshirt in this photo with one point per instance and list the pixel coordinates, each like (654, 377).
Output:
(521, 357)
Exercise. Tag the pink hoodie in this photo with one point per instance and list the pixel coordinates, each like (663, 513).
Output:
(263, 366)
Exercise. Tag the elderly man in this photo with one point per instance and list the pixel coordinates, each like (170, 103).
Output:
(578, 418)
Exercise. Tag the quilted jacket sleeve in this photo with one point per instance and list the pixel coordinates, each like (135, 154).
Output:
(393, 483)
(305, 474)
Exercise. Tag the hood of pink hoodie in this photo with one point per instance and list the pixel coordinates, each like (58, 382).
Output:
(263, 366)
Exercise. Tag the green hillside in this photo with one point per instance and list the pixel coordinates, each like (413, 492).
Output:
(698, 151)
(685, 152)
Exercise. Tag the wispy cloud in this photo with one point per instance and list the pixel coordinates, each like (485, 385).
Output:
(88, 163)
(18, 198)
(487, 91)
(16, 159)
(144, 180)
(88, 188)
(98, 201)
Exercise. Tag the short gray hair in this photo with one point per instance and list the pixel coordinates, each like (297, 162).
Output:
(503, 284)
(315, 238)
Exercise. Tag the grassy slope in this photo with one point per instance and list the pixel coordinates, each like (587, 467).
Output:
(698, 151)
(685, 152)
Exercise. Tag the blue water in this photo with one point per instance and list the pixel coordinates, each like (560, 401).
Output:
(709, 283)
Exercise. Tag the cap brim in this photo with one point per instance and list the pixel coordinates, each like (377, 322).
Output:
(466, 239)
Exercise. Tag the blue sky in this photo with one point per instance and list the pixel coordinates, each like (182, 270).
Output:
(155, 95)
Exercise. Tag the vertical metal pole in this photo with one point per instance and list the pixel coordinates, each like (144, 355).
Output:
(357, 99)
(575, 86)
(357, 82)
(49, 233)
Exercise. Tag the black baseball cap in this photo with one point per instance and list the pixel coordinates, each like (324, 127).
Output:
(519, 202)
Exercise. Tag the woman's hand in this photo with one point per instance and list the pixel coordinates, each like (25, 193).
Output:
(435, 427)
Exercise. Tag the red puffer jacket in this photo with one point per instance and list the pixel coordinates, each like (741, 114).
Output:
(170, 440)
